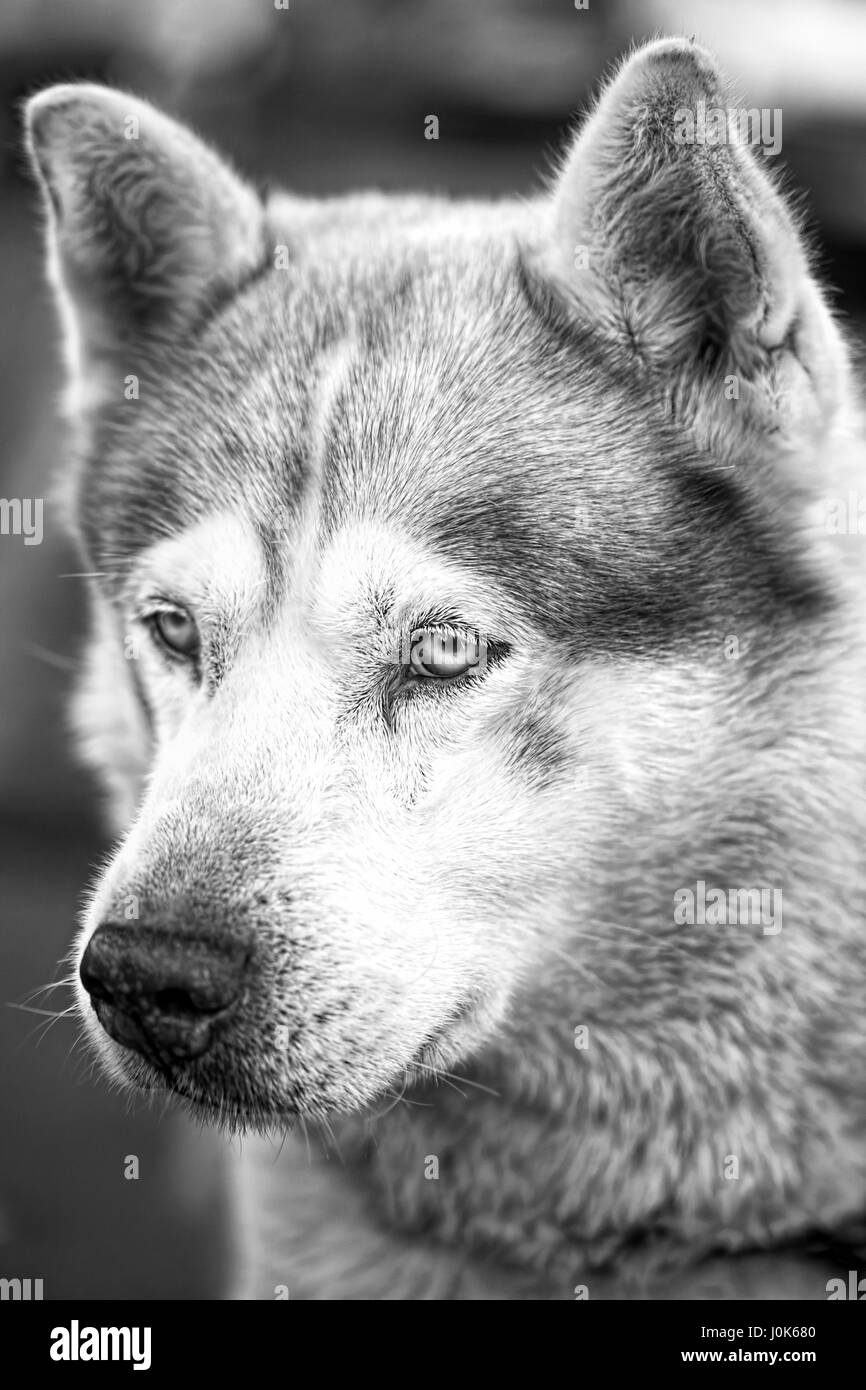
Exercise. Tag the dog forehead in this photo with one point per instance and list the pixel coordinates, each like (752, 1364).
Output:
(409, 381)
(428, 385)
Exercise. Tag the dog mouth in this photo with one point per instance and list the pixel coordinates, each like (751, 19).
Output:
(204, 1094)
(192, 1059)
(187, 1014)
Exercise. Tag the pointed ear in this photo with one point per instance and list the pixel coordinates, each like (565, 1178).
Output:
(143, 217)
(668, 235)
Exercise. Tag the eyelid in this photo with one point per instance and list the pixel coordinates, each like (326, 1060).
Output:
(398, 629)
(148, 606)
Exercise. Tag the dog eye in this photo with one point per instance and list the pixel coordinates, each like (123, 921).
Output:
(444, 653)
(176, 631)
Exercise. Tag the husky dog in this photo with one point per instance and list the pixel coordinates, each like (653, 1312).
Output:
(476, 677)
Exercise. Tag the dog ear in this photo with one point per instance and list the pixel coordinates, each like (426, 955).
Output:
(668, 234)
(143, 217)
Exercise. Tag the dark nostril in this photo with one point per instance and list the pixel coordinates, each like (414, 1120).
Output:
(185, 1001)
(174, 1000)
(157, 990)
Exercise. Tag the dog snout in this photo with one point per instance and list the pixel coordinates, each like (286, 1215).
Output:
(164, 994)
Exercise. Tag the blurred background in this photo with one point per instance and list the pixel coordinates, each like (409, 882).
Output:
(324, 96)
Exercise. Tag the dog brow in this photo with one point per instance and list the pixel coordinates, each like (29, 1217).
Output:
(335, 365)
(274, 554)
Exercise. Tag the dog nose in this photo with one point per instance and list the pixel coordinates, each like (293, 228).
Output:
(161, 993)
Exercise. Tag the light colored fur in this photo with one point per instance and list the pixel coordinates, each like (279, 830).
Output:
(459, 891)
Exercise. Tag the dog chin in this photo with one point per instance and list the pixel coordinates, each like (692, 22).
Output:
(205, 1102)
(262, 1109)
(266, 1107)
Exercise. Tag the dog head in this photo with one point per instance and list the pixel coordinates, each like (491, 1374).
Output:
(418, 532)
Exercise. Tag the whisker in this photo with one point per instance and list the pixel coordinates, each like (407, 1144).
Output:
(54, 984)
(452, 1077)
(580, 966)
(46, 1013)
(55, 659)
(330, 1130)
(286, 1133)
(306, 1135)
(45, 1028)
(395, 1102)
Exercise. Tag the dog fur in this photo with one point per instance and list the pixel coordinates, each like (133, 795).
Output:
(599, 426)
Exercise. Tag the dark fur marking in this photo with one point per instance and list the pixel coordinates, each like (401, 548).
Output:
(222, 293)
